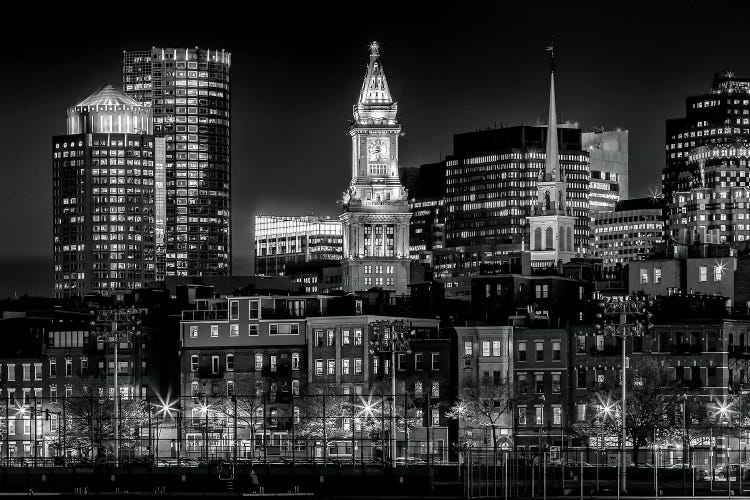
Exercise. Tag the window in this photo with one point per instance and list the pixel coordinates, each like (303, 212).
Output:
(435, 360)
(702, 273)
(522, 387)
(556, 415)
(485, 348)
(193, 331)
(318, 338)
(435, 416)
(539, 415)
(331, 367)
(26, 372)
(230, 387)
(252, 330)
(234, 330)
(258, 362)
(521, 415)
(522, 351)
(556, 387)
(68, 367)
(214, 364)
(295, 361)
(375, 365)
(468, 349)
(283, 329)
(330, 336)
(296, 308)
(718, 271)
(194, 389)
(401, 361)
(541, 291)
(418, 361)
(555, 350)
(357, 337)
(496, 348)
(644, 276)
(418, 389)
(539, 383)
(234, 310)
(581, 412)
(581, 381)
(193, 363)
(214, 330)
(345, 337)
(53, 394)
(358, 366)
(11, 427)
(273, 363)
(230, 362)
(580, 344)
(11, 372)
(345, 366)
(254, 307)
(52, 367)
(436, 389)
(318, 367)
(539, 351)
(657, 275)
(295, 387)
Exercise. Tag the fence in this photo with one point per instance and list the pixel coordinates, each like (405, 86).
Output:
(202, 429)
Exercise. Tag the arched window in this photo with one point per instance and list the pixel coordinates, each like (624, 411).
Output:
(559, 200)
(546, 200)
(538, 238)
(549, 238)
(570, 239)
(561, 244)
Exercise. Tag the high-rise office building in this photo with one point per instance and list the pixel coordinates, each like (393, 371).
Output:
(104, 196)
(717, 210)
(283, 240)
(608, 164)
(629, 232)
(188, 91)
(376, 207)
(427, 203)
(720, 116)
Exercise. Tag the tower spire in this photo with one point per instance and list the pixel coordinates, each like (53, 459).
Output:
(552, 162)
(375, 87)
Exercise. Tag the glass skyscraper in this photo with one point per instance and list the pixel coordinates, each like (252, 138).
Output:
(188, 91)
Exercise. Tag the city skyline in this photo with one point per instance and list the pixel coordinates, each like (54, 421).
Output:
(292, 97)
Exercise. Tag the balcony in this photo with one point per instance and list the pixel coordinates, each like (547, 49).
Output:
(270, 313)
(205, 315)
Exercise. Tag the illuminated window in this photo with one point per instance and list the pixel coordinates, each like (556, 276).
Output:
(702, 273)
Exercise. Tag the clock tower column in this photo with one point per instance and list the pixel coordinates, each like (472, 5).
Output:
(376, 210)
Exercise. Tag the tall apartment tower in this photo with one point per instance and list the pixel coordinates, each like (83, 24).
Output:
(719, 116)
(375, 219)
(188, 91)
(104, 196)
(551, 225)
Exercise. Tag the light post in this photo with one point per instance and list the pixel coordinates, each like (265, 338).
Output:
(204, 413)
(130, 320)
(624, 329)
(166, 409)
(391, 337)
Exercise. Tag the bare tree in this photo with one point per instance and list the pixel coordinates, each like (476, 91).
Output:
(326, 418)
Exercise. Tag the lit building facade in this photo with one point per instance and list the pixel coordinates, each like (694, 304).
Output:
(629, 232)
(608, 164)
(427, 203)
(716, 211)
(188, 91)
(720, 116)
(376, 211)
(104, 197)
(282, 240)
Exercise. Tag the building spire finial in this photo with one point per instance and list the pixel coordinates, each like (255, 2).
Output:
(374, 49)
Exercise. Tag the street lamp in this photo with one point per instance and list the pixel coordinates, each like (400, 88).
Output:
(623, 309)
(391, 337)
(130, 319)
(166, 409)
(203, 407)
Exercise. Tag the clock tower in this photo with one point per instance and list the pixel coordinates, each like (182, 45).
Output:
(376, 211)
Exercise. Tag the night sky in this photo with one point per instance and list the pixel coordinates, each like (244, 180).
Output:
(296, 73)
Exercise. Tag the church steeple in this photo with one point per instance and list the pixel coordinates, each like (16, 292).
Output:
(552, 163)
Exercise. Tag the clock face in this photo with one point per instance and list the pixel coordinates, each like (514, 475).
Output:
(377, 150)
